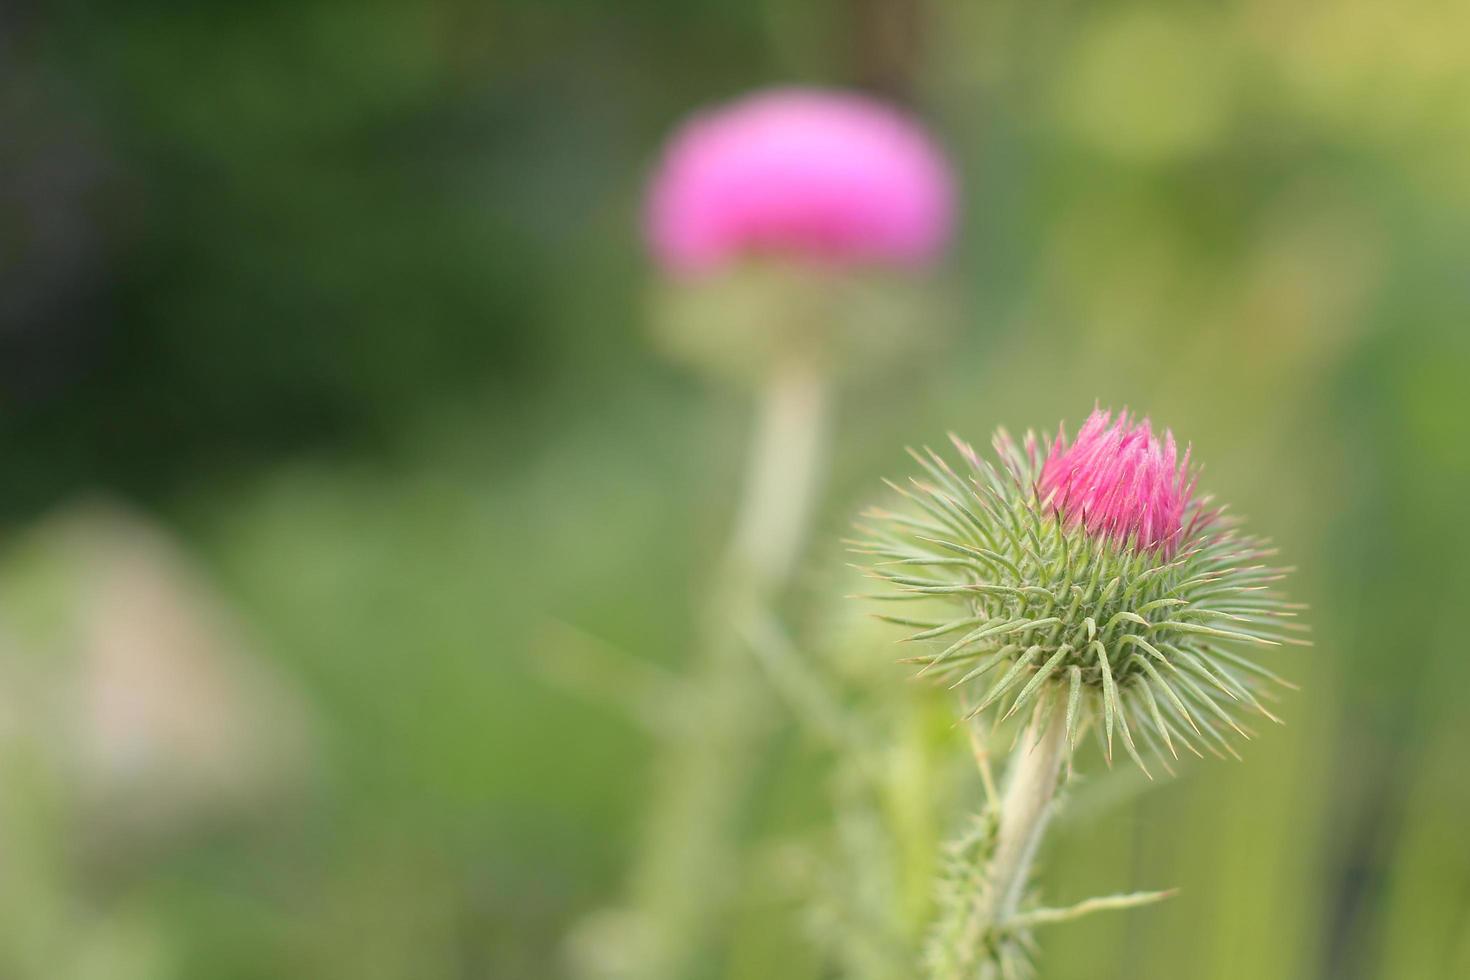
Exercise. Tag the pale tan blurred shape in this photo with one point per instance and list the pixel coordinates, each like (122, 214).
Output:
(176, 715)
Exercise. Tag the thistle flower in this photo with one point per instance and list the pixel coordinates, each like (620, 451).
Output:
(1092, 573)
(822, 175)
(1119, 482)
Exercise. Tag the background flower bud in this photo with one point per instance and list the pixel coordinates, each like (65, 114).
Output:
(825, 176)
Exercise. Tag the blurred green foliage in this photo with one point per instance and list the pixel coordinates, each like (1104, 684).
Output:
(351, 295)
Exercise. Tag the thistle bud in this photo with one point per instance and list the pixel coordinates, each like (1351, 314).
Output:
(823, 176)
(1092, 572)
(789, 224)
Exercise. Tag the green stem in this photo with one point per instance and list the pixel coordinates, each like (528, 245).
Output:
(1035, 774)
(970, 938)
(786, 457)
(687, 866)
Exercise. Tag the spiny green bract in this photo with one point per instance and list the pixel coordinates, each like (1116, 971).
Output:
(1147, 644)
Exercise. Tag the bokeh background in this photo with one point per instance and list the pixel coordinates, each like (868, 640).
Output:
(328, 414)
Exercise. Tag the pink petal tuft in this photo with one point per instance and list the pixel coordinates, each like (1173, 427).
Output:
(1120, 482)
(824, 175)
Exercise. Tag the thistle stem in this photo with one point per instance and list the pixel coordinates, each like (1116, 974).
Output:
(688, 860)
(786, 456)
(969, 944)
(1035, 773)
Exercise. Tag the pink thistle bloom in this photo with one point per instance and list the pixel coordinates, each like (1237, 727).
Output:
(1120, 482)
(830, 176)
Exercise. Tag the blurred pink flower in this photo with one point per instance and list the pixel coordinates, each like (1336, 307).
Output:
(824, 175)
(1120, 482)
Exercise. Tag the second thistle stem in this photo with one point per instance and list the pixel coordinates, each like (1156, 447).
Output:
(689, 856)
(780, 479)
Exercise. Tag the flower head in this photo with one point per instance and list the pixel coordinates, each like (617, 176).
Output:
(1119, 481)
(1090, 577)
(823, 175)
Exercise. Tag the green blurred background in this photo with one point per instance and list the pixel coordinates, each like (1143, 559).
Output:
(325, 370)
